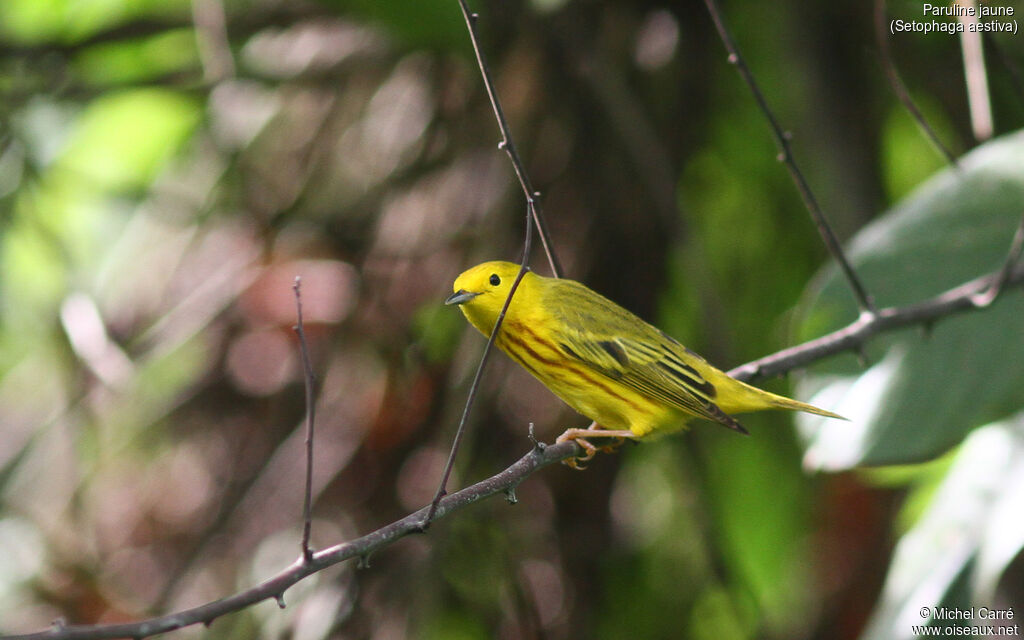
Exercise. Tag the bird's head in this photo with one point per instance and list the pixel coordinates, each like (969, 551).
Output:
(481, 292)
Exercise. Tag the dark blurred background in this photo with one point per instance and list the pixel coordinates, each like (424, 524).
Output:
(168, 168)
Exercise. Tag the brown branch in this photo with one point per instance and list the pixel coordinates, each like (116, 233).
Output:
(976, 294)
(532, 213)
(471, 396)
(310, 383)
(855, 335)
(896, 82)
(850, 338)
(786, 156)
(274, 587)
(509, 147)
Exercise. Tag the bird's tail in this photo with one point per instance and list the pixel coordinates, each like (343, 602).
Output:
(748, 398)
(782, 402)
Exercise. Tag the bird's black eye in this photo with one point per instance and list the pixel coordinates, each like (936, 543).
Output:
(495, 280)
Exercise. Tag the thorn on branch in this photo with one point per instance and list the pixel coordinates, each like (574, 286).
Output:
(867, 316)
(279, 598)
(926, 329)
(538, 446)
(862, 357)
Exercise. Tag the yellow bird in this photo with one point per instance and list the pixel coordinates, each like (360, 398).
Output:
(629, 377)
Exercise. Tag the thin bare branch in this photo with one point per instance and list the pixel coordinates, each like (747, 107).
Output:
(509, 147)
(1011, 66)
(851, 338)
(854, 336)
(896, 82)
(533, 216)
(310, 380)
(860, 293)
(475, 386)
(273, 588)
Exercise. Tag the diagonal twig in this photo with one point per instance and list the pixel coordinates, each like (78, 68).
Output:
(475, 386)
(274, 587)
(856, 334)
(828, 236)
(1009, 64)
(310, 381)
(896, 82)
(509, 147)
(533, 216)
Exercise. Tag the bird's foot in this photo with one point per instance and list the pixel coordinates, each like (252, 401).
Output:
(582, 438)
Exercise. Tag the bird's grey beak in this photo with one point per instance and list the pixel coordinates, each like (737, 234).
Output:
(460, 296)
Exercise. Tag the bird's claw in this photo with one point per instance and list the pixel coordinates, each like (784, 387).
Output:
(589, 450)
(580, 437)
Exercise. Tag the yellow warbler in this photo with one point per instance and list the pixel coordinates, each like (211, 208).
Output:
(626, 375)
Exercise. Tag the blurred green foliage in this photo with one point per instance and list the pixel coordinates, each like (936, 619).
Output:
(165, 174)
(954, 227)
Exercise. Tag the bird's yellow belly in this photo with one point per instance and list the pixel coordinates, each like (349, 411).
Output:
(614, 406)
(608, 403)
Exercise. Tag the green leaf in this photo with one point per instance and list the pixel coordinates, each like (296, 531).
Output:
(127, 61)
(123, 139)
(73, 20)
(764, 539)
(437, 330)
(924, 392)
(907, 156)
(955, 554)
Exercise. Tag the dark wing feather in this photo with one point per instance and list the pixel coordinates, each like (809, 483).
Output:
(626, 349)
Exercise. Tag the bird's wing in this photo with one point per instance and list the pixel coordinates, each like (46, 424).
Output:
(654, 365)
